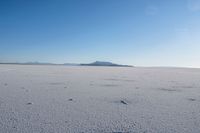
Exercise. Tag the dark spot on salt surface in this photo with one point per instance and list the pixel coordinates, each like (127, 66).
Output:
(123, 102)
(5, 84)
(70, 99)
(29, 103)
(137, 87)
(191, 99)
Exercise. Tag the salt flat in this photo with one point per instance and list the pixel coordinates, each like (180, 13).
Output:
(63, 99)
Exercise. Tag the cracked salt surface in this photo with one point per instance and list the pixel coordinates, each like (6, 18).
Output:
(120, 100)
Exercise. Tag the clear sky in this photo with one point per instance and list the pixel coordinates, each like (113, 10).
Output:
(135, 32)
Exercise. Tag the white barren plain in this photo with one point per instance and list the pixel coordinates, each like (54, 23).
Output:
(74, 99)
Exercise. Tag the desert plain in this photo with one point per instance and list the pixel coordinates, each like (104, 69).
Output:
(88, 99)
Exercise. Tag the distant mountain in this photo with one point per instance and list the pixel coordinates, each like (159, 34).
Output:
(103, 63)
(37, 63)
(96, 63)
(71, 64)
(29, 63)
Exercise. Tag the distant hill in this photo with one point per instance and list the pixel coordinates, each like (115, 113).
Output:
(70, 64)
(39, 63)
(29, 63)
(103, 63)
(96, 63)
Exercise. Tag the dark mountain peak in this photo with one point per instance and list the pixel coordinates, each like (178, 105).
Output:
(104, 63)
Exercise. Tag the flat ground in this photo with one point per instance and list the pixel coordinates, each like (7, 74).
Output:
(62, 99)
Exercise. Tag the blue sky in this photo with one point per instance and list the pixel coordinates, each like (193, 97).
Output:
(135, 32)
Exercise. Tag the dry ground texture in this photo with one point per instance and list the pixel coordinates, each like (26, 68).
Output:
(62, 99)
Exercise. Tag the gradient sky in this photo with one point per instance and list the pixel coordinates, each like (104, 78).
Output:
(135, 32)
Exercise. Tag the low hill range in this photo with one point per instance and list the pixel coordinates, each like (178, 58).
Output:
(96, 63)
(103, 63)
